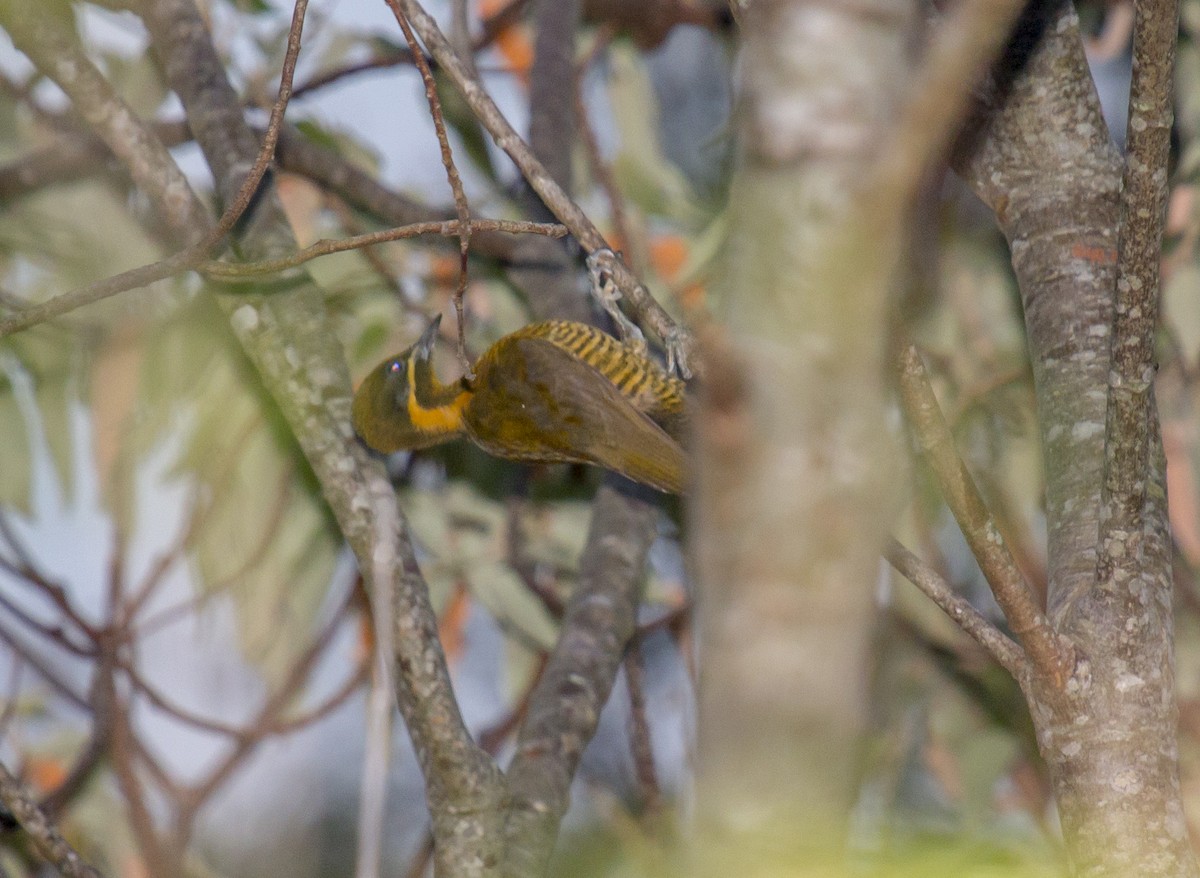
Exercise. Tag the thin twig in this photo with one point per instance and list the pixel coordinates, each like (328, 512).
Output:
(679, 342)
(998, 645)
(1051, 656)
(28, 570)
(16, 669)
(493, 26)
(234, 210)
(125, 748)
(195, 258)
(318, 712)
(51, 631)
(461, 206)
(275, 702)
(641, 744)
(89, 760)
(156, 572)
(234, 271)
(1127, 436)
(600, 168)
(94, 292)
(45, 836)
(269, 717)
(374, 254)
(33, 659)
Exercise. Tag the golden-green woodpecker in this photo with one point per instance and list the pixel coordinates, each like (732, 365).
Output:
(555, 391)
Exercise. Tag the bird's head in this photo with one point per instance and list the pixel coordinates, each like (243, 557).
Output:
(402, 405)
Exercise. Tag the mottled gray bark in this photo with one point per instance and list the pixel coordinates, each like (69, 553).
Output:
(1044, 162)
(287, 337)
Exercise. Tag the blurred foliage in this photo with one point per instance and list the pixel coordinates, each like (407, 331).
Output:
(259, 531)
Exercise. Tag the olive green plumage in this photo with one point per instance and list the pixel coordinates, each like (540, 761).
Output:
(553, 391)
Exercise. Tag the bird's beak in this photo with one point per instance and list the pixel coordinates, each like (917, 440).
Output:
(424, 345)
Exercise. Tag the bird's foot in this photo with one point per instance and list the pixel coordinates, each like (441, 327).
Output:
(677, 357)
(608, 296)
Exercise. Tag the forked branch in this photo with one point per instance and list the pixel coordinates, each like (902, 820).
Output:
(1050, 656)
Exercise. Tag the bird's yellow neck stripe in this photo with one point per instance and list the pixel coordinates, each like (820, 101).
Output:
(445, 418)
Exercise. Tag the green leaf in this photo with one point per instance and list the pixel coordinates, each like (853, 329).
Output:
(644, 173)
(16, 476)
(49, 359)
(515, 608)
(254, 7)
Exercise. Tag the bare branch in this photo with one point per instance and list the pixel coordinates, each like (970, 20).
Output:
(566, 704)
(288, 339)
(194, 258)
(493, 25)
(1039, 154)
(1049, 655)
(599, 167)
(998, 645)
(641, 744)
(552, 119)
(33, 659)
(266, 152)
(231, 272)
(102, 289)
(461, 207)
(46, 837)
(373, 783)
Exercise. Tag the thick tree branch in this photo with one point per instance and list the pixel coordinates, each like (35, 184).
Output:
(1128, 439)
(565, 706)
(1038, 153)
(796, 483)
(288, 338)
(964, 46)
(552, 90)
(1042, 158)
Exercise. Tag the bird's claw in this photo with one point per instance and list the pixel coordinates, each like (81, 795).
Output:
(608, 295)
(677, 358)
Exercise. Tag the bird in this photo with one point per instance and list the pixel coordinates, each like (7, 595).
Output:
(554, 391)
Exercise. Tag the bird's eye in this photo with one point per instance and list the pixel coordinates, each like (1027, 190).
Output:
(393, 367)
